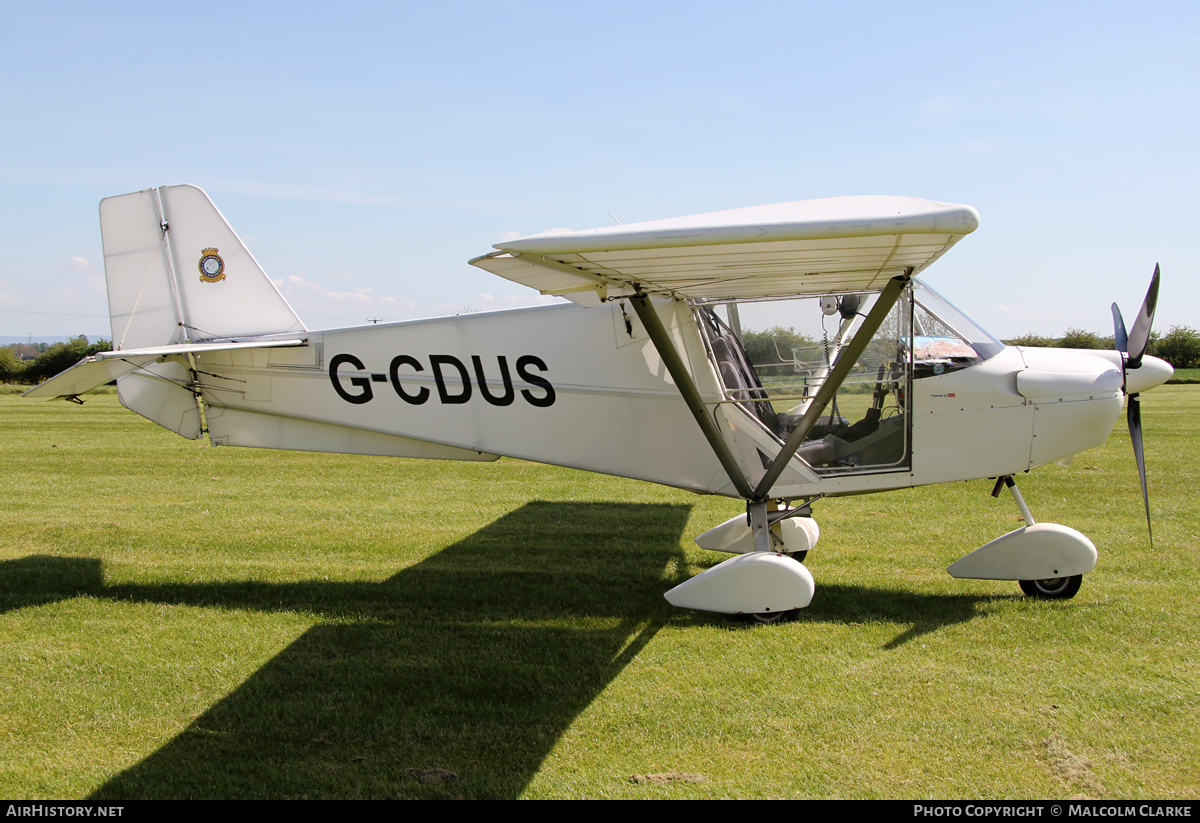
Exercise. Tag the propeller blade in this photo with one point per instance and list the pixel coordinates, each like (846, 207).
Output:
(1135, 434)
(1139, 336)
(1119, 330)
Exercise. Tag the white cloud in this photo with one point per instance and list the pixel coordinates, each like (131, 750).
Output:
(312, 299)
(359, 296)
(77, 263)
(516, 300)
(404, 304)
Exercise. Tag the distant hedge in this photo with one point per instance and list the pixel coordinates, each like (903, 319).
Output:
(1180, 346)
(56, 358)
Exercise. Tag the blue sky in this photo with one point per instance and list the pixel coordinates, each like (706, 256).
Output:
(366, 153)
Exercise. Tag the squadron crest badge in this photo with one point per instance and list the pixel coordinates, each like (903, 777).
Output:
(212, 267)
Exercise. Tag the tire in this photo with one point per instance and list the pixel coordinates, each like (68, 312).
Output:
(1053, 588)
(767, 618)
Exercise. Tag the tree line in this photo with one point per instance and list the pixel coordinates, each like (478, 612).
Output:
(49, 360)
(1180, 346)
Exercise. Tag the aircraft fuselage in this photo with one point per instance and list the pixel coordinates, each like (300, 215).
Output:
(585, 388)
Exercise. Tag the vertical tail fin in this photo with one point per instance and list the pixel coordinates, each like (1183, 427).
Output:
(177, 273)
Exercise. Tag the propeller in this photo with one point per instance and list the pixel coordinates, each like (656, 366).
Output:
(1133, 346)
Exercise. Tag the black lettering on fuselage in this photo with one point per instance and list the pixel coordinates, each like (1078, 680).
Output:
(509, 395)
(523, 362)
(422, 394)
(452, 389)
(436, 361)
(363, 383)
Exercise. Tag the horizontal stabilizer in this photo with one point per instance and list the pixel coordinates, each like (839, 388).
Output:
(93, 372)
(87, 375)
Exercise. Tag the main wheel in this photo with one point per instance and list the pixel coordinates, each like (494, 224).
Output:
(1052, 588)
(767, 618)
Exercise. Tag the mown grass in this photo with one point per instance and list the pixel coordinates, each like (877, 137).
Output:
(182, 621)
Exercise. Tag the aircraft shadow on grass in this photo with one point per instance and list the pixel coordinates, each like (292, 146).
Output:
(455, 677)
(925, 613)
(471, 663)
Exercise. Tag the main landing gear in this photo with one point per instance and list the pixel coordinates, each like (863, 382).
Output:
(765, 581)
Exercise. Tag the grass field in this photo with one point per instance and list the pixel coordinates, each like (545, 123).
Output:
(182, 621)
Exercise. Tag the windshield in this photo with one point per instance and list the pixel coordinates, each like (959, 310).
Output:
(943, 335)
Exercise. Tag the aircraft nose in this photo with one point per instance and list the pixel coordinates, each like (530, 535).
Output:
(1151, 373)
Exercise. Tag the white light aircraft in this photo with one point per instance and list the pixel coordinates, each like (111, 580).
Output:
(643, 374)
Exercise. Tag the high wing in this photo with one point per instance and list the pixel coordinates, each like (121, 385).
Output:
(805, 247)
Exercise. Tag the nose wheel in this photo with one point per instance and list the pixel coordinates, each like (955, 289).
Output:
(768, 618)
(1053, 588)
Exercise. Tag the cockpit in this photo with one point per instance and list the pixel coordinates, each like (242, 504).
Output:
(774, 355)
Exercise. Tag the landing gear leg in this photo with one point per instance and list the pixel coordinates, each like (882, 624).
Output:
(763, 542)
(1016, 493)
(1050, 588)
(759, 527)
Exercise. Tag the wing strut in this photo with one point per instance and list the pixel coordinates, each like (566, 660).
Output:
(687, 388)
(695, 403)
(833, 381)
